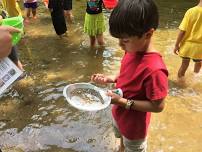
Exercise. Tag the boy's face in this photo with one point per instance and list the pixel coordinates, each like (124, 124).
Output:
(135, 43)
(132, 44)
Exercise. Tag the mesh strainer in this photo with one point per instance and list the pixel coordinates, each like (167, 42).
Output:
(85, 96)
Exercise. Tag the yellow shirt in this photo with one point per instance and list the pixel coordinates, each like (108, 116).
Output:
(12, 7)
(191, 45)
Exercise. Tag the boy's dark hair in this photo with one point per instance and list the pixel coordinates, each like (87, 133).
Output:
(133, 18)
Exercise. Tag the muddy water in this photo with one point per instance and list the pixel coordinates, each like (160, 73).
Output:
(36, 117)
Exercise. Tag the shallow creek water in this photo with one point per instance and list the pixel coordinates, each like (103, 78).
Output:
(36, 117)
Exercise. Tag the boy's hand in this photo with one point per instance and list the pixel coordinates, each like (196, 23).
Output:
(176, 50)
(115, 99)
(99, 78)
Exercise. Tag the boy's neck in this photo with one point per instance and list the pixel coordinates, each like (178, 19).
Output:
(200, 3)
(150, 47)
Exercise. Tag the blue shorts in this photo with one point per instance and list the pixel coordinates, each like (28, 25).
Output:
(31, 5)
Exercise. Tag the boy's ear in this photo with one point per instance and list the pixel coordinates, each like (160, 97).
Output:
(149, 34)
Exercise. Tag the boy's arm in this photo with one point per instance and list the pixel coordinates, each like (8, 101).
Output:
(144, 106)
(156, 87)
(178, 41)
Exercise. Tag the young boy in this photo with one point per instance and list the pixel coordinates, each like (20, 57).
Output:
(143, 75)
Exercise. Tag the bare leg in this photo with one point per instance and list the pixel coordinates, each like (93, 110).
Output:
(197, 67)
(92, 41)
(183, 67)
(69, 16)
(122, 148)
(100, 39)
(34, 13)
(28, 11)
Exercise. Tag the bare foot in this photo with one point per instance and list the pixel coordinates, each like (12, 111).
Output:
(26, 20)
(71, 19)
(60, 36)
(181, 80)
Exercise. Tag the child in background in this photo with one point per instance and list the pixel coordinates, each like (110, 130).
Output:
(30, 7)
(12, 7)
(189, 41)
(68, 10)
(143, 74)
(94, 24)
(56, 8)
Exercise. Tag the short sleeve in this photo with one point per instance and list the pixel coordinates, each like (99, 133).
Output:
(184, 24)
(157, 85)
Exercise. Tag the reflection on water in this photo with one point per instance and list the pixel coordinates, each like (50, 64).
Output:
(36, 117)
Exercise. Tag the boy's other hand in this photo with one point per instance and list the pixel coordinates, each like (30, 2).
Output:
(99, 78)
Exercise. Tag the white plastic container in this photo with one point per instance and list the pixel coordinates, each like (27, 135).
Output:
(78, 103)
(118, 92)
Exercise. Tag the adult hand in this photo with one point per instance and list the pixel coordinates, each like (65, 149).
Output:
(9, 29)
(6, 40)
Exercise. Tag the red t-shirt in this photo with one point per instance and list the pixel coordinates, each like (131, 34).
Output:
(142, 77)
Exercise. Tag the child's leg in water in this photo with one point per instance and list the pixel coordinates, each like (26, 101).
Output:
(197, 66)
(92, 41)
(69, 16)
(183, 67)
(100, 39)
(28, 11)
(122, 148)
(34, 13)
